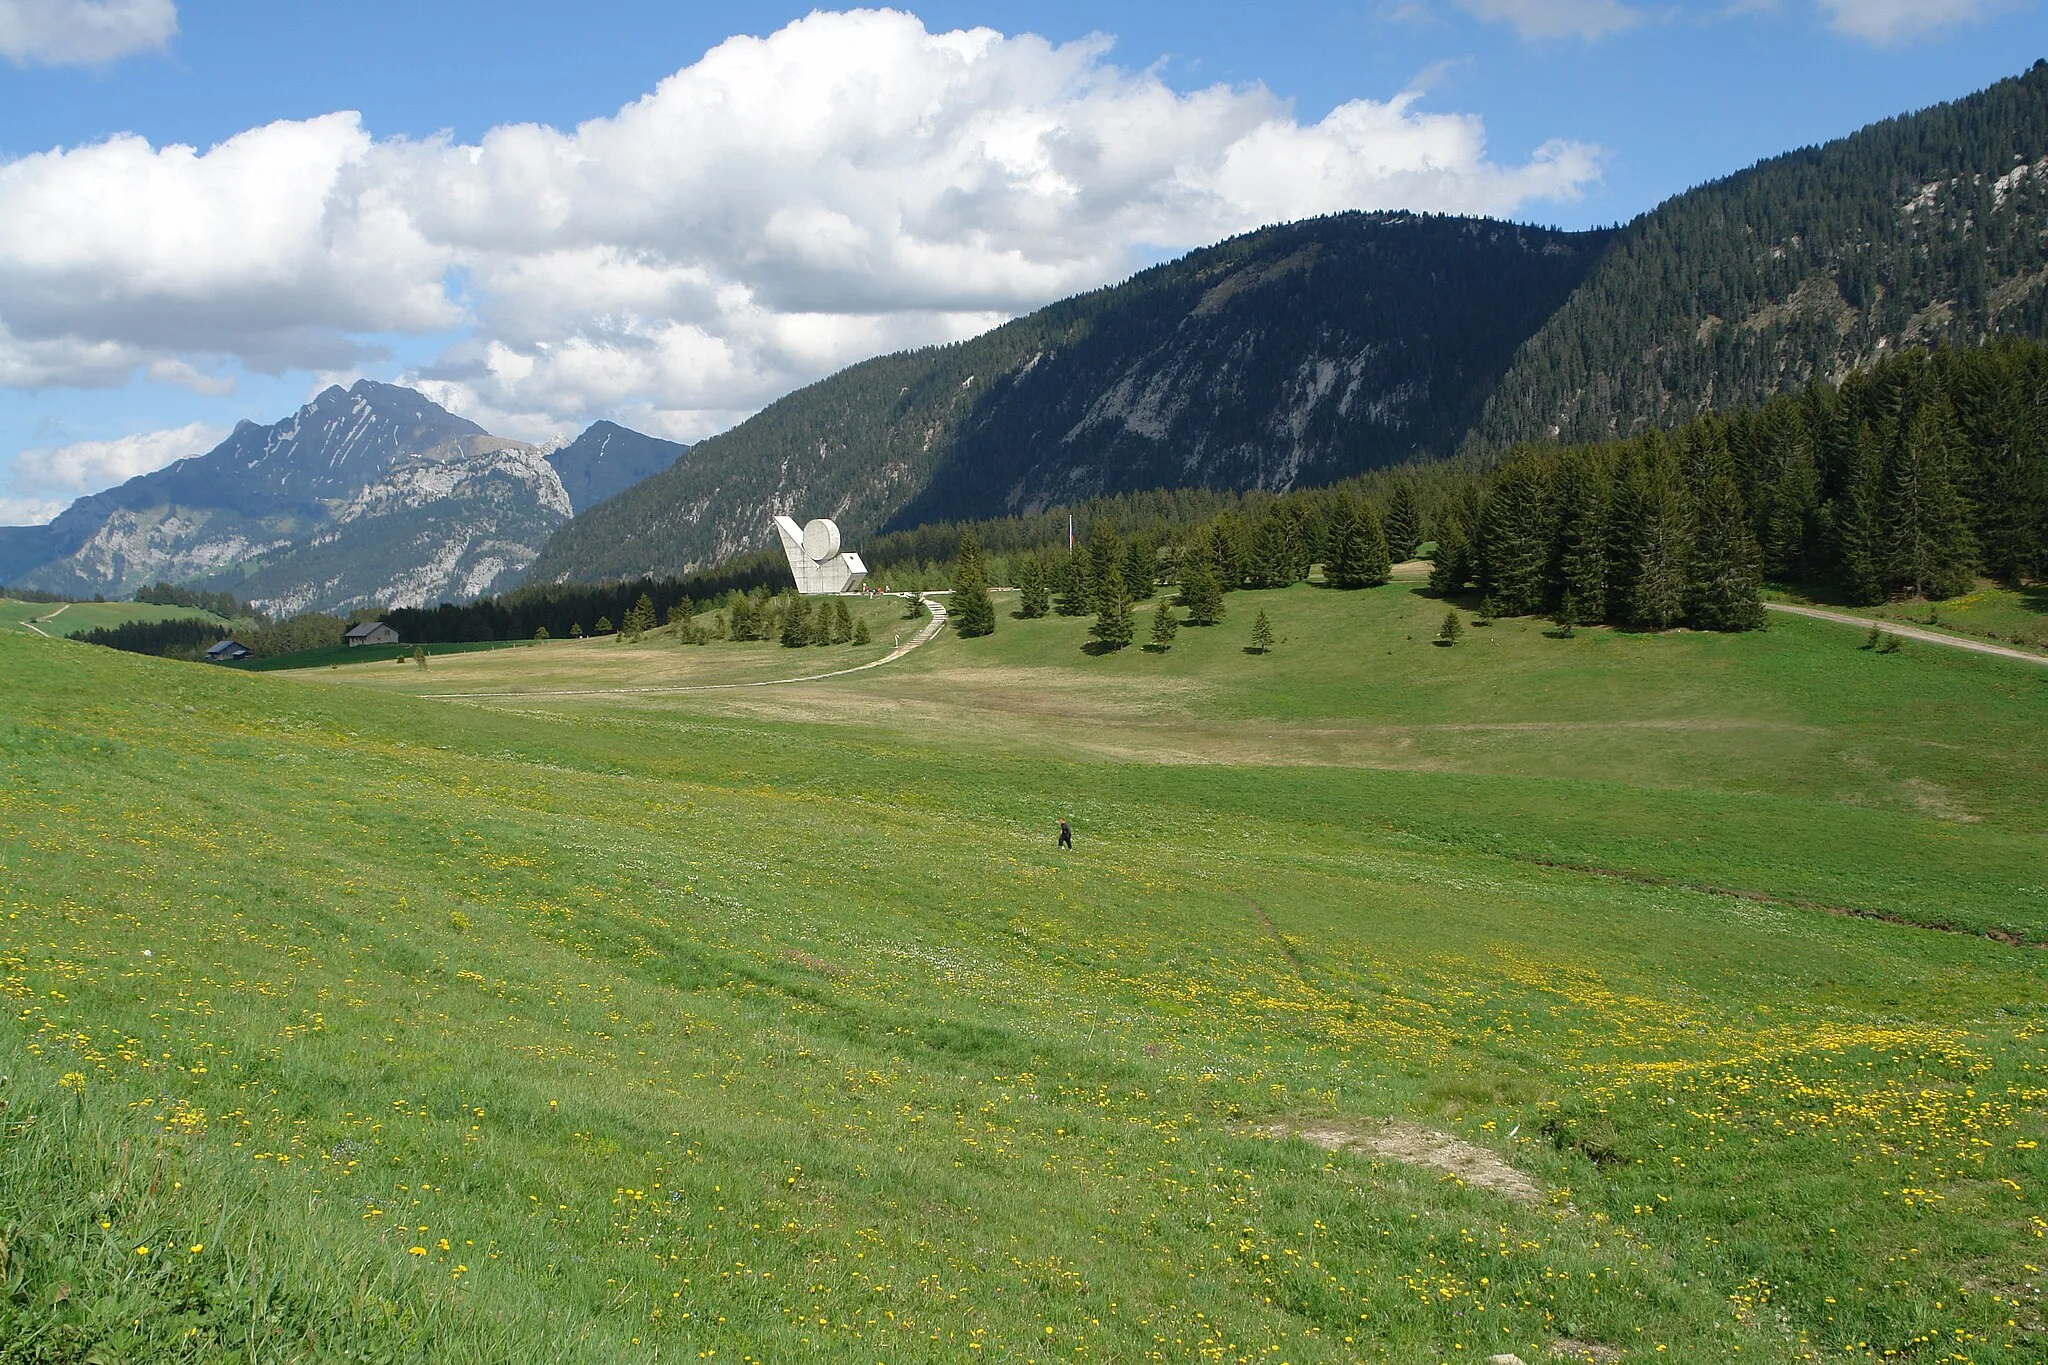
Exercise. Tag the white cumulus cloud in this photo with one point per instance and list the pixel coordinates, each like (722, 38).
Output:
(1557, 18)
(85, 466)
(1891, 22)
(850, 184)
(83, 32)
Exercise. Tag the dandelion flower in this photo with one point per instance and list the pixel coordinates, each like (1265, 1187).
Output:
(418, 1251)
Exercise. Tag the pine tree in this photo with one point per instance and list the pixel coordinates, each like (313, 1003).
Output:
(1370, 562)
(972, 609)
(1449, 571)
(1164, 626)
(1200, 593)
(1658, 600)
(1579, 499)
(1857, 517)
(1141, 570)
(1404, 521)
(1229, 541)
(1033, 591)
(1113, 627)
(604, 625)
(541, 634)
(1449, 632)
(1105, 552)
(1628, 503)
(1727, 582)
(1341, 541)
(576, 630)
(1262, 633)
(1075, 595)
(1273, 551)
(842, 622)
(1517, 540)
(861, 634)
(796, 623)
(1929, 550)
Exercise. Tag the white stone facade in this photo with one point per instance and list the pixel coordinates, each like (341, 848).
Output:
(820, 568)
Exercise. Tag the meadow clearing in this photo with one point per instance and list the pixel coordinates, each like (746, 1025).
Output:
(72, 618)
(765, 1024)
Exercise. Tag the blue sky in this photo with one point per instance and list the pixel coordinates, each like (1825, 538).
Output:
(849, 185)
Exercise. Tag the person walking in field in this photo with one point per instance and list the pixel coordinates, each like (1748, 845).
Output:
(1066, 836)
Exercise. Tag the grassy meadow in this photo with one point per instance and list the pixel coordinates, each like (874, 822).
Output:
(767, 1023)
(73, 618)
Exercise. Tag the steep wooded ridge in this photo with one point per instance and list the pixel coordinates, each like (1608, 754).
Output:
(374, 495)
(1920, 230)
(1293, 355)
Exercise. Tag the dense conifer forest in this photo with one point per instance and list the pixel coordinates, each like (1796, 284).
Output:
(1919, 230)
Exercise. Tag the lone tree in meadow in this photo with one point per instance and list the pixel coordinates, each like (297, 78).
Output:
(1262, 633)
(1200, 592)
(972, 609)
(1113, 627)
(1165, 625)
(1450, 631)
(1034, 591)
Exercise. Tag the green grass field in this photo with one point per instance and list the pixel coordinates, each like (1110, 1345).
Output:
(767, 1023)
(74, 618)
(2007, 615)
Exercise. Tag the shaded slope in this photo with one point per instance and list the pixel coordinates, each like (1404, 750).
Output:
(1294, 354)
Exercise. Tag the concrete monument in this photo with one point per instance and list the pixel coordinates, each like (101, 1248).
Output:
(820, 567)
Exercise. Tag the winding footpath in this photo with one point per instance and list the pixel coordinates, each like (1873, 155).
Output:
(31, 624)
(930, 630)
(1910, 632)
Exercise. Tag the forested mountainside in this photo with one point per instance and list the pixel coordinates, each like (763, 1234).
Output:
(1921, 229)
(1293, 355)
(1910, 478)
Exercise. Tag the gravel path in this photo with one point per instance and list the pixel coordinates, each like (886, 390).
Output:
(1910, 632)
(929, 631)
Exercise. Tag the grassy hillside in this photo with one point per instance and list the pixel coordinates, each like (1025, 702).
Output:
(72, 618)
(769, 1023)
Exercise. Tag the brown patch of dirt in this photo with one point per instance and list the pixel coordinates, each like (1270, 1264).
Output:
(1412, 1144)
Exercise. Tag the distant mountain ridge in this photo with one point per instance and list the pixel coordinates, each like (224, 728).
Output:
(1298, 353)
(370, 496)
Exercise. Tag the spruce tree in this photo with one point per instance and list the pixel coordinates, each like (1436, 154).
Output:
(1516, 551)
(1074, 592)
(1451, 629)
(1230, 544)
(1033, 591)
(1929, 549)
(1273, 550)
(1105, 552)
(1404, 521)
(1113, 626)
(604, 625)
(1727, 582)
(1164, 626)
(1628, 501)
(796, 623)
(842, 622)
(1370, 563)
(861, 635)
(1659, 598)
(1200, 593)
(1262, 633)
(1341, 542)
(1579, 499)
(1449, 571)
(1857, 517)
(972, 609)
(1141, 570)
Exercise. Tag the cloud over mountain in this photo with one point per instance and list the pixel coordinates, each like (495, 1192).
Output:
(848, 184)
